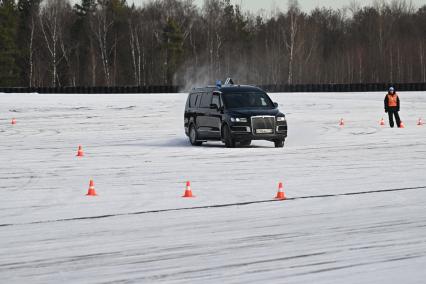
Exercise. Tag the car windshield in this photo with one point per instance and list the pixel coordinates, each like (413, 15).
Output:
(247, 100)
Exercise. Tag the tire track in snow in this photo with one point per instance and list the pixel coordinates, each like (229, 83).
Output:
(216, 206)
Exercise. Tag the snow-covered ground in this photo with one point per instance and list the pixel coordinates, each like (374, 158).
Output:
(357, 194)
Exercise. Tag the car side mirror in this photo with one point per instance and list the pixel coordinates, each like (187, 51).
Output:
(276, 105)
(214, 106)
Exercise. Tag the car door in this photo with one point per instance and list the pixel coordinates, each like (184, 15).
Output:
(190, 110)
(215, 117)
(203, 115)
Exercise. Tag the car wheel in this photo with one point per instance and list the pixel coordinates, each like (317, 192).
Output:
(245, 143)
(193, 136)
(227, 138)
(279, 143)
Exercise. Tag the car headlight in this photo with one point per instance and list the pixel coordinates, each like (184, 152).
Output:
(281, 118)
(238, 119)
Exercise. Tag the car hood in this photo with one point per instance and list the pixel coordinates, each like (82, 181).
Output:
(253, 112)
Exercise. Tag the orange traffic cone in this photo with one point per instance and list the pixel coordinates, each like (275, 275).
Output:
(401, 125)
(342, 122)
(92, 191)
(80, 152)
(420, 122)
(13, 121)
(188, 191)
(280, 193)
(382, 122)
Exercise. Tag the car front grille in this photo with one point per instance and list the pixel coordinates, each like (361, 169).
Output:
(263, 125)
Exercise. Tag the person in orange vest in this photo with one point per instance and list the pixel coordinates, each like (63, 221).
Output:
(392, 105)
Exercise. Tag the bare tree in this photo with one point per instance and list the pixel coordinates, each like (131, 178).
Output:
(137, 51)
(291, 33)
(31, 51)
(51, 25)
(422, 60)
(101, 26)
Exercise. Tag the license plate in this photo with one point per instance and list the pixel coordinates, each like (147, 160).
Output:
(264, 131)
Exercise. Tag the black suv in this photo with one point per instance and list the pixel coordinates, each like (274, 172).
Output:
(233, 114)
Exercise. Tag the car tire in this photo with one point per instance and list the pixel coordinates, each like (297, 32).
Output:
(245, 143)
(279, 143)
(193, 136)
(227, 138)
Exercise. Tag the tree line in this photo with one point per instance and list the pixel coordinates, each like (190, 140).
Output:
(174, 42)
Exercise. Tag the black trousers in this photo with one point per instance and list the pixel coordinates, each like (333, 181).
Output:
(391, 114)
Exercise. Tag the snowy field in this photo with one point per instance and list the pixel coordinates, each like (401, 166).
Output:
(357, 194)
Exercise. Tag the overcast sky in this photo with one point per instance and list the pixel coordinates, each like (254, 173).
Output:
(306, 5)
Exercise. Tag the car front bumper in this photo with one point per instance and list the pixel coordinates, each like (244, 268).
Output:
(244, 131)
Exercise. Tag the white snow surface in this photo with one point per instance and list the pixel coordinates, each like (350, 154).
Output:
(139, 158)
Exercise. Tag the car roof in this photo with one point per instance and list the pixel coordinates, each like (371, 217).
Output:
(229, 89)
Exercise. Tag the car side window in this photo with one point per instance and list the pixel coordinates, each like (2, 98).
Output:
(205, 100)
(216, 100)
(193, 100)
